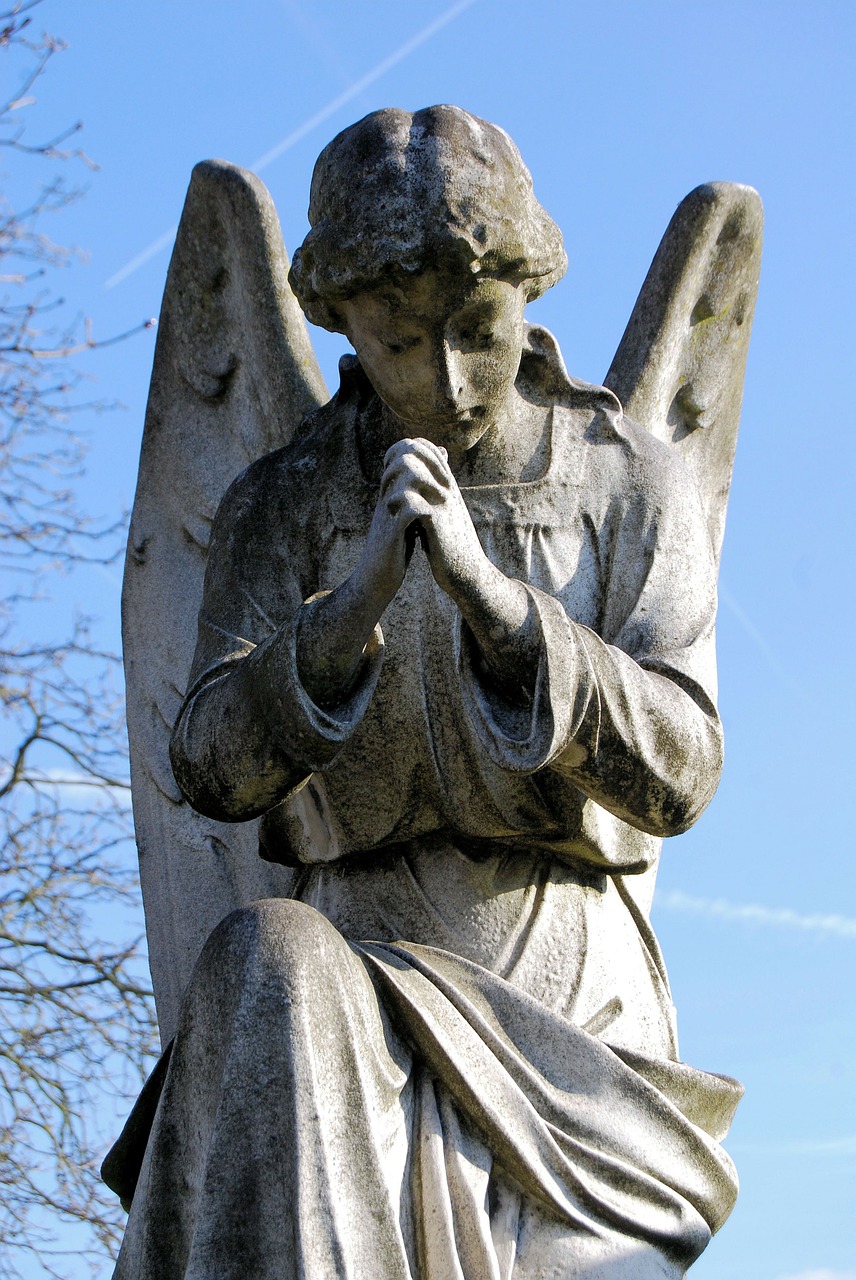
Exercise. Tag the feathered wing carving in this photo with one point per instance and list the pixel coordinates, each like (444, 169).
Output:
(234, 374)
(679, 367)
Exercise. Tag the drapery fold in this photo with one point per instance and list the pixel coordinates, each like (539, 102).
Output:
(333, 1106)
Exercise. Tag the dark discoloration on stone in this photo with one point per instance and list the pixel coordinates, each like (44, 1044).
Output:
(455, 651)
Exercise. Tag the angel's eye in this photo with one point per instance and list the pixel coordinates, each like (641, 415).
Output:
(479, 339)
(475, 329)
(398, 346)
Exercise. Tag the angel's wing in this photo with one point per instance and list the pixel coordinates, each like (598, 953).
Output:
(234, 373)
(679, 368)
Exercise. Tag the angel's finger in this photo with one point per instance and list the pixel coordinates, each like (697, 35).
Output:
(413, 468)
(409, 504)
(433, 455)
(432, 447)
(436, 455)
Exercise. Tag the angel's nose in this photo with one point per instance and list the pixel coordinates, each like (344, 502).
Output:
(448, 379)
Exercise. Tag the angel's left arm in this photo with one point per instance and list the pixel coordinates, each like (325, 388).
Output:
(627, 716)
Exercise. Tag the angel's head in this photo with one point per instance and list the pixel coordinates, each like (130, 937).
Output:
(399, 193)
(426, 243)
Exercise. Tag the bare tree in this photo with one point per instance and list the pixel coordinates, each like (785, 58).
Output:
(76, 1018)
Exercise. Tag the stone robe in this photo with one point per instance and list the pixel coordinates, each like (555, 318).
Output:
(454, 1054)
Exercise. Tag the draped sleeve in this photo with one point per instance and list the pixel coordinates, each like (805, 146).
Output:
(248, 733)
(625, 711)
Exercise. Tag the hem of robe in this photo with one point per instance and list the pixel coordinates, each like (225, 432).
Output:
(601, 1138)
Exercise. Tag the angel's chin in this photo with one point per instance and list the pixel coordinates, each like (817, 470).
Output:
(457, 434)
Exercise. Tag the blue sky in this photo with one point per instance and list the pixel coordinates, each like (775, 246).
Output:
(619, 109)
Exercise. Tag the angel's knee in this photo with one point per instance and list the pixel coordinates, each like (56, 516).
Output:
(280, 942)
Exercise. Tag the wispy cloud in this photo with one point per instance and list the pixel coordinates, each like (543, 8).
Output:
(823, 1273)
(298, 134)
(844, 1146)
(748, 913)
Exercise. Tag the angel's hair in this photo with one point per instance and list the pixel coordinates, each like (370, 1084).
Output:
(400, 192)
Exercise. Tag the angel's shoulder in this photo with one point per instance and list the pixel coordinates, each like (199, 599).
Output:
(650, 456)
(658, 472)
(590, 419)
(660, 488)
(292, 475)
(619, 464)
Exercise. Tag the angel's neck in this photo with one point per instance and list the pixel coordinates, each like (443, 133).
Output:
(515, 448)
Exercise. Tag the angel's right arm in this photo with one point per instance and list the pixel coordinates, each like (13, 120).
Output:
(249, 731)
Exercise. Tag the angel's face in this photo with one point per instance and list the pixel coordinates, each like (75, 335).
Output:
(441, 350)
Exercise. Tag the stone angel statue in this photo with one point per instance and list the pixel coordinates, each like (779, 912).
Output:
(451, 674)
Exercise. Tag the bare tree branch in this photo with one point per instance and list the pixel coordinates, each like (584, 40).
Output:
(76, 1016)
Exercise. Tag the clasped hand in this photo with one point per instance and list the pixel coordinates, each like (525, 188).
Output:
(418, 492)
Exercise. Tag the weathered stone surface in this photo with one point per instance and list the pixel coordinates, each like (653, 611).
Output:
(233, 372)
(456, 653)
(679, 366)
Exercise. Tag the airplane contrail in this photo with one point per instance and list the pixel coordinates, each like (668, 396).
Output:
(363, 83)
(142, 258)
(773, 660)
(298, 134)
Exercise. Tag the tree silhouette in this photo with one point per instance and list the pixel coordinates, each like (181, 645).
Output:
(76, 1018)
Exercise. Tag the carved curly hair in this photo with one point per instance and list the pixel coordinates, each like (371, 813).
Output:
(399, 192)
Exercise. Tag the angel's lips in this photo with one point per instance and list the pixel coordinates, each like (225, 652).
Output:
(451, 417)
(457, 430)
